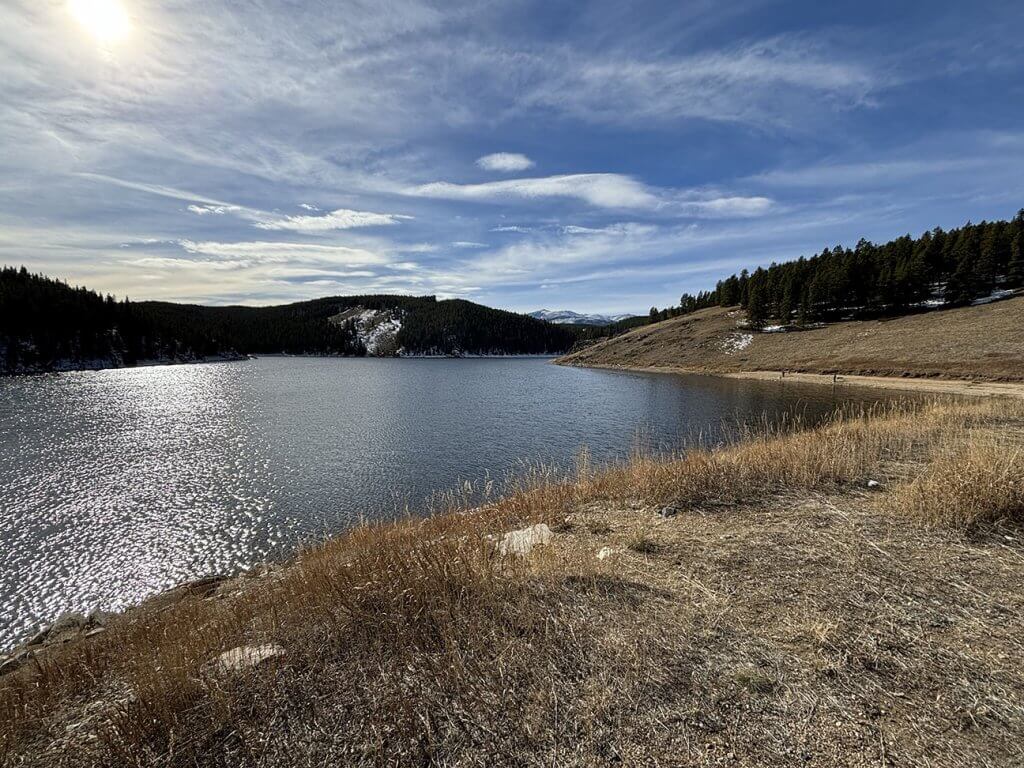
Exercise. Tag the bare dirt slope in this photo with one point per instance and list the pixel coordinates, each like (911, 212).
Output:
(985, 342)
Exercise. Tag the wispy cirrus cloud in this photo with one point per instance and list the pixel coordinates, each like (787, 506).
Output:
(162, 190)
(342, 218)
(726, 207)
(263, 252)
(851, 175)
(764, 82)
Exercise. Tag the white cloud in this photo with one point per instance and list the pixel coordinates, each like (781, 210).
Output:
(603, 190)
(505, 162)
(308, 207)
(220, 210)
(342, 218)
(727, 207)
(611, 229)
(468, 244)
(269, 252)
(512, 228)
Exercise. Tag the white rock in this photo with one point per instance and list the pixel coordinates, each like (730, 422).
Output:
(246, 656)
(522, 542)
(874, 484)
(605, 553)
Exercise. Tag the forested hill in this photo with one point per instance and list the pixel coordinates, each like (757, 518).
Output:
(938, 269)
(46, 324)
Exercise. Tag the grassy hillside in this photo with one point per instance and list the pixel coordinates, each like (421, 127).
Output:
(754, 605)
(984, 341)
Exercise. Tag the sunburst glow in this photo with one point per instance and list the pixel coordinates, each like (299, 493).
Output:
(106, 20)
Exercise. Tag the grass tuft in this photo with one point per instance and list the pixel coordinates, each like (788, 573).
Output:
(967, 484)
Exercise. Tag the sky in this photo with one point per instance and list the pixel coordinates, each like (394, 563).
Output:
(596, 156)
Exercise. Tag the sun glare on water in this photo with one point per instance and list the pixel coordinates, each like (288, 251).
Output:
(106, 20)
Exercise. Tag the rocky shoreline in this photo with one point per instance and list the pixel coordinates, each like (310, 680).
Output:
(74, 626)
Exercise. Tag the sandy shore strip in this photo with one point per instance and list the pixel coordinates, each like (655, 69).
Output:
(908, 384)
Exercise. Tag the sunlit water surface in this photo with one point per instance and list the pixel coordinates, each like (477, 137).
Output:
(117, 484)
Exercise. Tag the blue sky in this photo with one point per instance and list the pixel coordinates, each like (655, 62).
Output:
(597, 156)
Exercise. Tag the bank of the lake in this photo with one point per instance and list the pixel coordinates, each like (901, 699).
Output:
(851, 594)
(840, 382)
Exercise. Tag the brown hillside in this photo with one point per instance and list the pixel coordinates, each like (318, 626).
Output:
(984, 342)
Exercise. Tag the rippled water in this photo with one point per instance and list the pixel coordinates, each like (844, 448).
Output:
(117, 484)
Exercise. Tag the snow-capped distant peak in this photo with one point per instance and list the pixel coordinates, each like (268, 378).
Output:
(568, 317)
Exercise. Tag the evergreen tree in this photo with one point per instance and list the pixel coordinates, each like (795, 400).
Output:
(756, 308)
(1015, 268)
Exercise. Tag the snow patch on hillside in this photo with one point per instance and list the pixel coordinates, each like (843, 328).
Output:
(736, 342)
(377, 330)
(996, 295)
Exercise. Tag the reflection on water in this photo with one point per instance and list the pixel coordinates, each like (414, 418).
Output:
(118, 484)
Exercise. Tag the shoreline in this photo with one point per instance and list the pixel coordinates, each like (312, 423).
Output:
(724, 584)
(961, 387)
(276, 355)
(147, 363)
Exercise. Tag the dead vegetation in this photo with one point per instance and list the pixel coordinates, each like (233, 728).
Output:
(984, 342)
(783, 614)
(976, 481)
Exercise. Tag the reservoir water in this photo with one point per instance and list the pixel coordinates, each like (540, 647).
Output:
(117, 484)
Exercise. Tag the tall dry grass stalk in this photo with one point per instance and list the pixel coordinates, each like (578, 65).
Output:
(388, 618)
(974, 482)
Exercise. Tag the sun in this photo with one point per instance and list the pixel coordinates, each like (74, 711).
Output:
(106, 20)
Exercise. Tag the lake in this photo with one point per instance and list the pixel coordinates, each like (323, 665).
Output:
(118, 484)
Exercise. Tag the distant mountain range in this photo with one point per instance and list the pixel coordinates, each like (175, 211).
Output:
(568, 317)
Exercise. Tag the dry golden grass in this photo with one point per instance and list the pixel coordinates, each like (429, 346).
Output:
(973, 482)
(983, 342)
(413, 643)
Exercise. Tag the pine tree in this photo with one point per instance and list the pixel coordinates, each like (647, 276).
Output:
(744, 287)
(987, 263)
(1015, 269)
(756, 309)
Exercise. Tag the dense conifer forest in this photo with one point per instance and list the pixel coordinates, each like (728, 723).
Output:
(904, 275)
(46, 324)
